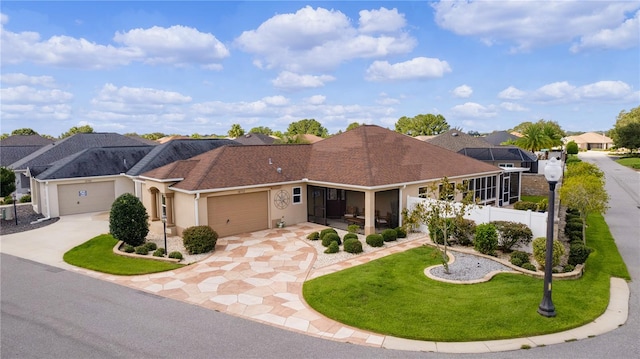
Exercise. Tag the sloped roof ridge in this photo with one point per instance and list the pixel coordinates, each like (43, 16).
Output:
(216, 153)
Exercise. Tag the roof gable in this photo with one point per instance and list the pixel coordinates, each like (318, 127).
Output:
(454, 140)
(25, 140)
(497, 138)
(255, 139)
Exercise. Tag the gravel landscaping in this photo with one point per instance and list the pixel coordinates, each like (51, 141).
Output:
(26, 216)
(468, 267)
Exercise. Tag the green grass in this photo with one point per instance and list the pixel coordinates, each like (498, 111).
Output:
(97, 254)
(534, 199)
(632, 162)
(392, 296)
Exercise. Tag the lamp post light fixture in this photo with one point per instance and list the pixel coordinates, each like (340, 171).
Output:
(164, 232)
(552, 173)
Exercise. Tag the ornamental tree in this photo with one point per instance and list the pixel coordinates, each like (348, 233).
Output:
(7, 181)
(128, 220)
(585, 193)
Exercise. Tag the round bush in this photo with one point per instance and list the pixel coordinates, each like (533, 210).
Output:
(331, 237)
(128, 220)
(375, 240)
(517, 262)
(573, 226)
(142, 250)
(522, 257)
(389, 235)
(314, 236)
(151, 246)
(199, 239)
(352, 245)
(578, 253)
(353, 228)
(25, 199)
(332, 248)
(8, 200)
(401, 232)
(568, 268)
(539, 251)
(158, 252)
(529, 266)
(129, 248)
(349, 235)
(327, 230)
(175, 255)
(486, 240)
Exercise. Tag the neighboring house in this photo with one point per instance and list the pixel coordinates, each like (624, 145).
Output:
(166, 139)
(255, 139)
(591, 141)
(237, 189)
(87, 181)
(455, 140)
(17, 147)
(498, 138)
(47, 155)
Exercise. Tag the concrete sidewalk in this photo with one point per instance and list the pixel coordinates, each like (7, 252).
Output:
(259, 276)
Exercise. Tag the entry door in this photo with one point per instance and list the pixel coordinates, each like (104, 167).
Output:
(317, 205)
(505, 190)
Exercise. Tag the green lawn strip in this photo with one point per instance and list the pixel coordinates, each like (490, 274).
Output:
(534, 199)
(392, 296)
(632, 162)
(97, 254)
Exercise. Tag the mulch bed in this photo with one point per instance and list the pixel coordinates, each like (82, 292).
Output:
(26, 215)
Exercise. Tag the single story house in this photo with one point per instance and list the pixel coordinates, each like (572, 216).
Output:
(17, 147)
(591, 141)
(237, 189)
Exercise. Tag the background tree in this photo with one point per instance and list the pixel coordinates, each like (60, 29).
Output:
(572, 148)
(353, 125)
(75, 129)
(628, 136)
(3, 136)
(23, 132)
(539, 135)
(262, 130)
(474, 133)
(235, 131)
(7, 182)
(422, 125)
(307, 126)
(128, 220)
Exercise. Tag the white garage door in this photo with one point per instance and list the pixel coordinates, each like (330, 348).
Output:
(86, 197)
(229, 215)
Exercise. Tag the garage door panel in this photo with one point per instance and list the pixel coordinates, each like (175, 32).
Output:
(229, 215)
(85, 197)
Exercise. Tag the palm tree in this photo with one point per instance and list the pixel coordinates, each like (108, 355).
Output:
(534, 138)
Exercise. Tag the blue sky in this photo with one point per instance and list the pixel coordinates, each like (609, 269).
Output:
(199, 67)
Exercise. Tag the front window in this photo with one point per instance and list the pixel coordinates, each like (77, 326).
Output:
(297, 195)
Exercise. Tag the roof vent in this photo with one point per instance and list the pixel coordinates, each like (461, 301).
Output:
(455, 134)
(279, 170)
(247, 135)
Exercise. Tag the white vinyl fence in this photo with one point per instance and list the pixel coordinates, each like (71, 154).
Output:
(484, 214)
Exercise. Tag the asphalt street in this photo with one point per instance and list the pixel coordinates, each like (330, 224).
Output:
(48, 312)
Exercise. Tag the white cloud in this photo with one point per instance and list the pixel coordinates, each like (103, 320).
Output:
(530, 24)
(287, 80)
(139, 95)
(474, 110)
(382, 20)
(320, 40)
(511, 93)
(605, 90)
(556, 92)
(463, 91)
(514, 107)
(417, 68)
(316, 99)
(177, 45)
(276, 100)
(564, 92)
(624, 36)
(29, 95)
(22, 79)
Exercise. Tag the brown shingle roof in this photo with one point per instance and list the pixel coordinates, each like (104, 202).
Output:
(367, 156)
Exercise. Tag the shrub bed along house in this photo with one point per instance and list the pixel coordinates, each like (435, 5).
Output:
(330, 237)
(333, 247)
(352, 245)
(375, 240)
(389, 235)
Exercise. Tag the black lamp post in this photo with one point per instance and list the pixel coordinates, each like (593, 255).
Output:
(164, 232)
(552, 173)
(15, 208)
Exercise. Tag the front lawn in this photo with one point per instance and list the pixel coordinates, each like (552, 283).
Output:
(534, 199)
(392, 296)
(631, 162)
(97, 254)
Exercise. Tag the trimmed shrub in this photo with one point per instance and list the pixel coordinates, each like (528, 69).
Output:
(7, 200)
(573, 225)
(511, 234)
(573, 211)
(575, 237)
(331, 237)
(436, 232)
(543, 205)
(389, 235)
(129, 248)
(353, 228)
(175, 255)
(401, 232)
(151, 246)
(327, 230)
(525, 206)
(520, 257)
(568, 268)
(25, 199)
(158, 252)
(375, 240)
(314, 236)
(352, 245)
(572, 159)
(463, 232)
(332, 248)
(128, 220)
(486, 240)
(142, 250)
(529, 266)
(539, 251)
(578, 253)
(349, 235)
(199, 239)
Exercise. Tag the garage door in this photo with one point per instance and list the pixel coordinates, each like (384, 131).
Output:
(86, 197)
(229, 215)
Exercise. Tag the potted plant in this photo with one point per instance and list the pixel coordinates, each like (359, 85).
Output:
(281, 222)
